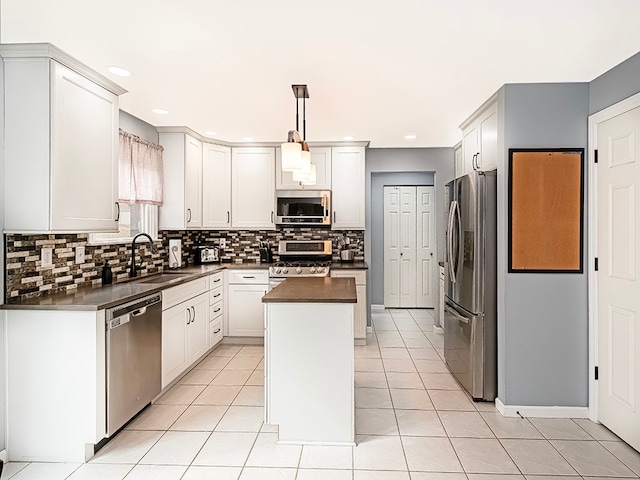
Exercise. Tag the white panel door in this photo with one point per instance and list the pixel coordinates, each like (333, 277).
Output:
(391, 247)
(407, 246)
(216, 186)
(425, 247)
(618, 286)
(246, 312)
(193, 181)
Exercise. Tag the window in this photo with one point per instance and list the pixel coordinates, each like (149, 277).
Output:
(140, 181)
(135, 218)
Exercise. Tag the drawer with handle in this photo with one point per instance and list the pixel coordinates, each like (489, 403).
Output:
(215, 332)
(215, 295)
(259, 277)
(216, 310)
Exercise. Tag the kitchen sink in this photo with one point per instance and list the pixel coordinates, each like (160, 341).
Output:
(164, 278)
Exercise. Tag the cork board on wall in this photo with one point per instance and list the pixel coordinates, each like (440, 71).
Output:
(545, 210)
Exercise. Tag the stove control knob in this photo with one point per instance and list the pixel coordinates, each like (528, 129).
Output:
(276, 270)
(312, 270)
(320, 270)
(285, 270)
(298, 270)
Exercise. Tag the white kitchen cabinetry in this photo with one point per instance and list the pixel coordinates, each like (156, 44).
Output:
(185, 327)
(55, 384)
(348, 188)
(458, 167)
(182, 188)
(253, 188)
(320, 157)
(216, 309)
(480, 140)
(360, 309)
(246, 311)
(216, 186)
(61, 143)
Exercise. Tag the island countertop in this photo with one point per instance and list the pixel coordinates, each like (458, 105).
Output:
(313, 290)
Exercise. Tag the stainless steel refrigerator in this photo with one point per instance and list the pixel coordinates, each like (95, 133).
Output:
(470, 334)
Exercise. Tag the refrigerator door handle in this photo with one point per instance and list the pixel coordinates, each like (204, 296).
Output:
(456, 315)
(458, 243)
(452, 273)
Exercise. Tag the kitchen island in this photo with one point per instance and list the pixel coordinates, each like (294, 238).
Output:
(309, 364)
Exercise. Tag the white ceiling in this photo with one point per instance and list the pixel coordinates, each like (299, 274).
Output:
(375, 69)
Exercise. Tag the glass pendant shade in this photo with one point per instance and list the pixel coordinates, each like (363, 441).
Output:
(311, 180)
(291, 156)
(306, 176)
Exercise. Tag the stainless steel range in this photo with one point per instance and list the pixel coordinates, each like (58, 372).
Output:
(301, 258)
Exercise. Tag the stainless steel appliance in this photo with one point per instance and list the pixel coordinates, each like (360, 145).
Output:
(303, 207)
(301, 258)
(470, 336)
(134, 358)
(206, 254)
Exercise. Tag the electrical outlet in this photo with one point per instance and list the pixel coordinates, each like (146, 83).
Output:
(46, 257)
(80, 254)
(223, 243)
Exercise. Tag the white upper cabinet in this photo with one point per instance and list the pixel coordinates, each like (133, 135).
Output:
(61, 143)
(182, 188)
(216, 186)
(457, 155)
(480, 140)
(253, 188)
(348, 188)
(320, 157)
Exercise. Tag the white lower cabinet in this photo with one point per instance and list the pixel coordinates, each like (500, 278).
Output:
(185, 327)
(246, 311)
(216, 309)
(360, 309)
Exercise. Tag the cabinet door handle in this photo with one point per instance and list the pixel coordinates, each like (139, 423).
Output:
(228, 216)
(271, 217)
(217, 310)
(216, 280)
(194, 314)
(334, 216)
(216, 331)
(117, 211)
(247, 276)
(189, 320)
(188, 215)
(217, 294)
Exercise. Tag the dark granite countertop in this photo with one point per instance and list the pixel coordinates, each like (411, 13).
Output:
(100, 297)
(313, 290)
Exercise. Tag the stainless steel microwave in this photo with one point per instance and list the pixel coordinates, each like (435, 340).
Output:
(303, 207)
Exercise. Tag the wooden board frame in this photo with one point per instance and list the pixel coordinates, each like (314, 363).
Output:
(546, 210)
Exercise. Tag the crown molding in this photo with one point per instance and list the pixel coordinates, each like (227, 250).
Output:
(47, 50)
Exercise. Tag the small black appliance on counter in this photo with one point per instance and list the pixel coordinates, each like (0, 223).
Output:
(266, 256)
(206, 254)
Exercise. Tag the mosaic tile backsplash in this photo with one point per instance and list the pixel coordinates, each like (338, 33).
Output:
(25, 276)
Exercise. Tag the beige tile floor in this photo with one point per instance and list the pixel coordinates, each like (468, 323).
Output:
(413, 422)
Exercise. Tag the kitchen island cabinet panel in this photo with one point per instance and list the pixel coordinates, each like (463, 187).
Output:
(360, 309)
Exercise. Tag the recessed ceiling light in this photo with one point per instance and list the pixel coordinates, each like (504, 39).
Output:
(210, 133)
(248, 139)
(347, 138)
(160, 111)
(410, 136)
(119, 71)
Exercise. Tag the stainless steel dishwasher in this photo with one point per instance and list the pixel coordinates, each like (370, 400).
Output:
(134, 358)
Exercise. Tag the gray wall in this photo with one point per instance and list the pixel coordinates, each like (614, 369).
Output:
(382, 162)
(2, 277)
(378, 181)
(542, 318)
(135, 126)
(620, 82)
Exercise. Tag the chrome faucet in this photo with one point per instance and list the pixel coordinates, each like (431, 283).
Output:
(133, 269)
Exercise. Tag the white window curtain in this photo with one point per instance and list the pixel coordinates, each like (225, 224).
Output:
(140, 177)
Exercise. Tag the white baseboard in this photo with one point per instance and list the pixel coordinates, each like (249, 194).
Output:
(369, 329)
(534, 411)
(377, 308)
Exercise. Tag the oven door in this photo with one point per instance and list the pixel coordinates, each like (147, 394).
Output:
(304, 207)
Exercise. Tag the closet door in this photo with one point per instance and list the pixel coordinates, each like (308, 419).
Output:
(407, 247)
(391, 247)
(425, 247)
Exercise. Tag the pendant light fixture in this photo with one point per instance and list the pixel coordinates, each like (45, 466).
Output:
(295, 152)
